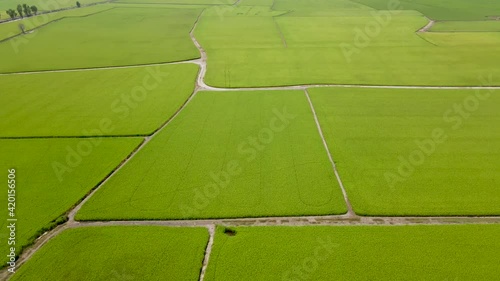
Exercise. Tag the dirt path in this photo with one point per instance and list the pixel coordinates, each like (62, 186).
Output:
(428, 26)
(208, 251)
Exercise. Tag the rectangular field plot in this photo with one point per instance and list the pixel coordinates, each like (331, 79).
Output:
(129, 101)
(446, 252)
(119, 253)
(52, 176)
(443, 10)
(414, 152)
(464, 26)
(181, 2)
(228, 154)
(121, 36)
(353, 46)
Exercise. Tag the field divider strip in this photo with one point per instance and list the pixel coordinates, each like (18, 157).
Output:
(350, 211)
(299, 221)
(280, 33)
(75, 137)
(327, 220)
(195, 61)
(208, 251)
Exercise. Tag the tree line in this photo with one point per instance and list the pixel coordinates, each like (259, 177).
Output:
(25, 10)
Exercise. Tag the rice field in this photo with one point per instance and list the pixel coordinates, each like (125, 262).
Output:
(342, 47)
(467, 26)
(250, 140)
(145, 253)
(202, 166)
(423, 252)
(135, 101)
(436, 155)
(117, 37)
(444, 10)
(52, 176)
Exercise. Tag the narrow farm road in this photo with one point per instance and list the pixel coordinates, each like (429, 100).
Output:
(208, 251)
(428, 26)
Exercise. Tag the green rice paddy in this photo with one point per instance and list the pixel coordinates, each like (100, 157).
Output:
(145, 253)
(414, 152)
(134, 101)
(423, 252)
(109, 98)
(52, 175)
(228, 154)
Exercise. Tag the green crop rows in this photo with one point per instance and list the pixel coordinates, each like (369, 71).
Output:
(227, 154)
(356, 253)
(135, 101)
(250, 140)
(435, 155)
(53, 175)
(145, 253)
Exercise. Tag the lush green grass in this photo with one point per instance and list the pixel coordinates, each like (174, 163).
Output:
(248, 51)
(444, 9)
(268, 3)
(183, 2)
(317, 8)
(228, 12)
(228, 154)
(122, 36)
(44, 195)
(95, 103)
(446, 252)
(410, 152)
(10, 29)
(119, 253)
(487, 40)
(464, 26)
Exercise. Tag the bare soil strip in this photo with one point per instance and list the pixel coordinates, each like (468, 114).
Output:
(350, 211)
(428, 26)
(208, 251)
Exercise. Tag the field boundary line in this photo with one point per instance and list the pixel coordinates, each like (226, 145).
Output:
(208, 250)
(194, 61)
(280, 33)
(327, 220)
(428, 26)
(350, 211)
(301, 221)
(74, 137)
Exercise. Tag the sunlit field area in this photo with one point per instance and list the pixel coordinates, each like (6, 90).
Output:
(221, 140)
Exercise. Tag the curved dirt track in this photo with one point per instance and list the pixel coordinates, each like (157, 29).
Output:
(351, 218)
(428, 26)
